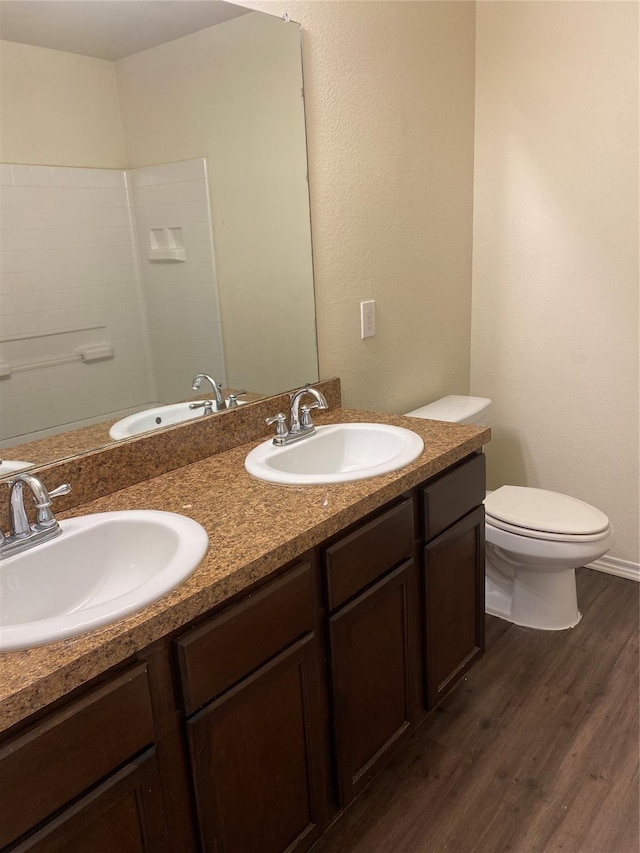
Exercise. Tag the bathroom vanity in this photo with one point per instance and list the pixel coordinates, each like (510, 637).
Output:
(246, 709)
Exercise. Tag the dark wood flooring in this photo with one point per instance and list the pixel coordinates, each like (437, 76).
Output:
(536, 751)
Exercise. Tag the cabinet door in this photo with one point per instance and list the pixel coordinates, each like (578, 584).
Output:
(257, 756)
(70, 750)
(371, 658)
(124, 814)
(454, 604)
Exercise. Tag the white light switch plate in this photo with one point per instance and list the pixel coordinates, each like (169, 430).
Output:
(368, 319)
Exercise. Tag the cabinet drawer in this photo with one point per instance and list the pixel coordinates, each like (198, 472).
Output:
(363, 556)
(453, 495)
(71, 750)
(219, 653)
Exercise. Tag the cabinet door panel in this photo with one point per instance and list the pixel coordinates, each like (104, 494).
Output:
(454, 606)
(124, 814)
(370, 670)
(67, 752)
(256, 759)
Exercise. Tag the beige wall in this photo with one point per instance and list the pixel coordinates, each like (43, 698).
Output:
(389, 99)
(555, 278)
(233, 94)
(58, 109)
(389, 96)
(390, 111)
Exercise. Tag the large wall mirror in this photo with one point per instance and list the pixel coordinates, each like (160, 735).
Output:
(155, 210)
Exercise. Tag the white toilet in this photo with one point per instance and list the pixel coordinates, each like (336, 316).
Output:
(535, 539)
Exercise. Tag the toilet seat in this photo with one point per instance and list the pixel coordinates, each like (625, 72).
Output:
(542, 514)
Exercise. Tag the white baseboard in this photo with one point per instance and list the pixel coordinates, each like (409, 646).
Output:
(615, 566)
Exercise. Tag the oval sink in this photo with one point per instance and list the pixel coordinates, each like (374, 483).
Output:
(100, 568)
(160, 416)
(12, 466)
(336, 453)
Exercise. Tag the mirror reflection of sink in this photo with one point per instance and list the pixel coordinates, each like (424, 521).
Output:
(160, 416)
(11, 466)
(99, 569)
(336, 453)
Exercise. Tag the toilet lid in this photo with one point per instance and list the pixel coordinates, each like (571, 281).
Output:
(544, 511)
(455, 408)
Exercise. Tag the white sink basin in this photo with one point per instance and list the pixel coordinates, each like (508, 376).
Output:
(338, 453)
(161, 416)
(99, 569)
(12, 466)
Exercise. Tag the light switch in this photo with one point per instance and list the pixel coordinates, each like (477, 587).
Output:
(368, 319)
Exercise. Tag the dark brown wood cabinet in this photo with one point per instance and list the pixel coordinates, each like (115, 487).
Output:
(257, 745)
(74, 767)
(371, 654)
(249, 731)
(124, 813)
(453, 561)
(255, 755)
(370, 582)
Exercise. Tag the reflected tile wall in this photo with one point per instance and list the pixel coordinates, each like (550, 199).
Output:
(74, 255)
(182, 297)
(69, 261)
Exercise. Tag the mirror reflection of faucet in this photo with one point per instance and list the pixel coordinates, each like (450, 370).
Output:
(300, 423)
(217, 405)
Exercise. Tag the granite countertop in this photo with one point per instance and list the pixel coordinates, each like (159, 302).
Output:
(254, 528)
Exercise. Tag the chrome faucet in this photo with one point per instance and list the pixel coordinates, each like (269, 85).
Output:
(217, 405)
(22, 534)
(300, 423)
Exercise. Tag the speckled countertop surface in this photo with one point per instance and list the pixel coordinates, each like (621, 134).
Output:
(254, 528)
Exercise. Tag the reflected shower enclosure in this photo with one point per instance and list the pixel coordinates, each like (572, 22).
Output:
(196, 145)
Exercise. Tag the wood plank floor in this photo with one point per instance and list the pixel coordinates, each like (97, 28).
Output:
(537, 751)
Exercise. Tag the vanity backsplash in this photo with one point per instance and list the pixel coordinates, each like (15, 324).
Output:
(125, 463)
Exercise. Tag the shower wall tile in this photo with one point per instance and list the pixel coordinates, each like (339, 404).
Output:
(69, 260)
(182, 298)
(74, 255)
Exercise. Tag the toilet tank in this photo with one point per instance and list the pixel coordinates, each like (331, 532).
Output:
(456, 409)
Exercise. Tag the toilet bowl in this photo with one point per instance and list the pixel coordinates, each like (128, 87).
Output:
(535, 539)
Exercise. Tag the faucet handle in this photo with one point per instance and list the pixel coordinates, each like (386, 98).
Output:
(232, 399)
(280, 421)
(44, 516)
(305, 416)
(64, 489)
(207, 405)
